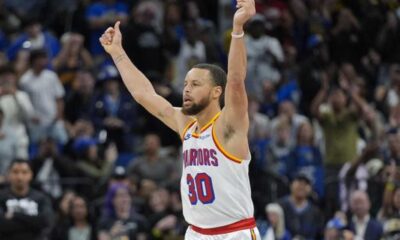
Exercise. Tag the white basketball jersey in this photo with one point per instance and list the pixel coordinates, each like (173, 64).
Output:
(215, 185)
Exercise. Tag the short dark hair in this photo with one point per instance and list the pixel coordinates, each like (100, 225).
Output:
(36, 54)
(218, 77)
(19, 161)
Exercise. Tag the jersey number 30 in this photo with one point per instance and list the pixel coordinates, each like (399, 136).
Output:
(200, 188)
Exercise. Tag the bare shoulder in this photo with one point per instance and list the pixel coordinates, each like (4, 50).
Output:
(183, 120)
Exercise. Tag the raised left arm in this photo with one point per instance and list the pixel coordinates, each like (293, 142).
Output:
(235, 110)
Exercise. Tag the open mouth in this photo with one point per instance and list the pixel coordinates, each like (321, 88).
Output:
(187, 100)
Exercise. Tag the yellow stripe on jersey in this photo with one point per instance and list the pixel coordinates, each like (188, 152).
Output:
(210, 122)
(253, 234)
(187, 127)
(222, 150)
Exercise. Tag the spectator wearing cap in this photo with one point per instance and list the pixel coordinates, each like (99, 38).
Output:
(361, 223)
(303, 219)
(34, 38)
(333, 229)
(46, 92)
(115, 112)
(274, 227)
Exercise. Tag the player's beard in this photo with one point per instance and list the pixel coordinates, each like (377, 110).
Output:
(196, 108)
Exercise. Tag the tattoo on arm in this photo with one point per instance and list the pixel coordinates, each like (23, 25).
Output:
(119, 58)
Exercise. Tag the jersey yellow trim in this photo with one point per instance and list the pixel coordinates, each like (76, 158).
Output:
(187, 128)
(253, 235)
(210, 122)
(222, 150)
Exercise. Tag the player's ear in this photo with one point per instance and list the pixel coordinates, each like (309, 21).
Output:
(217, 91)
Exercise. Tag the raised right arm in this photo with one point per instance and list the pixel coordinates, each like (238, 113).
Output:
(138, 85)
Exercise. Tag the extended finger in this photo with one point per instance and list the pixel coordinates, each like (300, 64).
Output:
(116, 26)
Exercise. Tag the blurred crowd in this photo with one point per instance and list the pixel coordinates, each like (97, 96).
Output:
(79, 159)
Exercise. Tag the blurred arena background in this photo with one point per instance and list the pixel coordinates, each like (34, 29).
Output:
(323, 81)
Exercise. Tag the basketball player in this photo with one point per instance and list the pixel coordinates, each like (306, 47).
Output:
(215, 185)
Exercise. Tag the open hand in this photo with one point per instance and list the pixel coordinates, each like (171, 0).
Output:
(111, 40)
(245, 10)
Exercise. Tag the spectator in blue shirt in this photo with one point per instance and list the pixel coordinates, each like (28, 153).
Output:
(34, 38)
(306, 158)
(101, 15)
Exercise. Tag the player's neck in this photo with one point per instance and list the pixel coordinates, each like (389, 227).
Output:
(206, 115)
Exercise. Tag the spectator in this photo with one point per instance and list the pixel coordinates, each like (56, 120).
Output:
(259, 123)
(49, 167)
(9, 148)
(274, 228)
(34, 38)
(306, 158)
(287, 110)
(94, 167)
(334, 228)
(355, 175)
(163, 222)
(99, 16)
(17, 108)
(72, 57)
(46, 92)
(152, 165)
(314, 71)
(115, 112)
(303, 219)
(339, 120)
(79, 102)
(79, 227)
(192, 51)
(269, 104)
(173, 30)
(362, 224)
(24, 212)
(387, 94)
(264, 54)
(142, 42)
(278, 152)
(119, 218)
(388, 38)
(391, 197)
(347, 36)
(63, 212)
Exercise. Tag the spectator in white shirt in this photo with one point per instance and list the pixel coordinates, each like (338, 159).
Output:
(46, 92)
(17, 108)
(362, 224)
(264, 57)
(9, 148)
